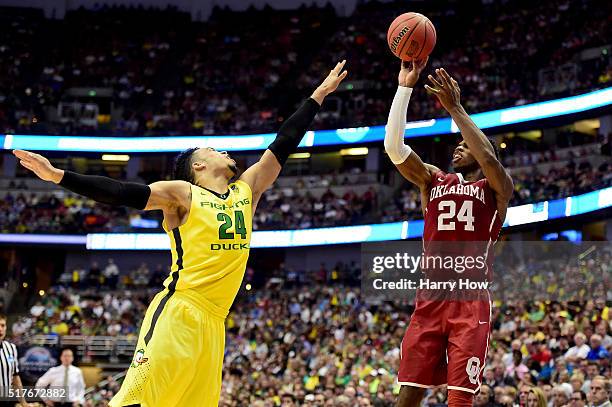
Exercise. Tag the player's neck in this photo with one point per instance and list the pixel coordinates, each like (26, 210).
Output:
(218, 184)
(471, 176)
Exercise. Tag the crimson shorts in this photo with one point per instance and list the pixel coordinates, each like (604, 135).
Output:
(446, 343)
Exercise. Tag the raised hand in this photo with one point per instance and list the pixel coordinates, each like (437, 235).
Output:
(446, 89)
(410, 71)
(39, 165)
(331, 82)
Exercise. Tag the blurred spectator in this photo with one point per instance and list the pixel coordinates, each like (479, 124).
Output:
(579, 351)
(536, 398)
(597, 350)
(600, 392)
(111, 274)
(65, 376)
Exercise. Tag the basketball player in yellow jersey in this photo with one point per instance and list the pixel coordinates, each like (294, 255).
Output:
(179, 356)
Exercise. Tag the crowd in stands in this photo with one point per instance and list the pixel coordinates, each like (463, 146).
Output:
(283, 208)
(21, 212)
(529, 186)
(315, 339)
(286, 207)
(84, 312)
(569, 180)
(169, 75)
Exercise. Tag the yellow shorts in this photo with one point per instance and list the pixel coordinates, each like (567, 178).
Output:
(179, 357)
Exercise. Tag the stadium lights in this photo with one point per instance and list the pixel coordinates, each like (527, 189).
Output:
(115, 157)
(354, 151)
(297, 156)
(589, 126)
(248, 142)
(502, 145)
(517, 215)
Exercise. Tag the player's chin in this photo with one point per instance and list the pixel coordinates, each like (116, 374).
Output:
(458, 165)
(464, 163)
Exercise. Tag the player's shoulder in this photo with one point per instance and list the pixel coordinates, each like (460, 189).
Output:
(439, 174)
(171, 194)
(172, 186)
(241, 186)
(441, 177)
(174, 183)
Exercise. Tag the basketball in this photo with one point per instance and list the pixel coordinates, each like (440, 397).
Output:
(411, 36)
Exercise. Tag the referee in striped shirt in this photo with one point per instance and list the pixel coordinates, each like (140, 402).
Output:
(9, 367)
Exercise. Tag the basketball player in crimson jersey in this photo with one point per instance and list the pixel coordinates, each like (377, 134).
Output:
(447, 340)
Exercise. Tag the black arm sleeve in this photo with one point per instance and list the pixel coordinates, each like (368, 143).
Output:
(107, 190)
(293, 129)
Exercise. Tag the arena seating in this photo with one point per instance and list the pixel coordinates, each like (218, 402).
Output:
(304, 341)
(300, 202)
(134, 71)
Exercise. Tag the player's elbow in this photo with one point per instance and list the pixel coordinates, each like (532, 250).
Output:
(488, 159)
(489, 162)
(508, 188)
(396, 149)
(388, 142)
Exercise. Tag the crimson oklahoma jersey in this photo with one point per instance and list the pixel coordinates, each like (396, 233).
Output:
(447, 339)
(462, 212)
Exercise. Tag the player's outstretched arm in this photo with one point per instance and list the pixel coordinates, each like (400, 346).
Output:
(262, 175)
(447, 90)
(159, 195)
(405, 159)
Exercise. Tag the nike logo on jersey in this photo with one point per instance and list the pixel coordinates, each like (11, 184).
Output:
(482, 323)
(440, 179)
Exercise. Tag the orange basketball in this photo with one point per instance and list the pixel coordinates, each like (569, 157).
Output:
(411, 36)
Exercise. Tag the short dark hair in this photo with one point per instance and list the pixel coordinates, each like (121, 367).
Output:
(3, 317)
(582, 394)
(182, 166)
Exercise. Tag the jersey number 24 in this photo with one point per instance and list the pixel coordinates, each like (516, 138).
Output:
(448, 213)
(227, 224)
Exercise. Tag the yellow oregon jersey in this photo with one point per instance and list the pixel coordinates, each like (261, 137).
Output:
(210, 250)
